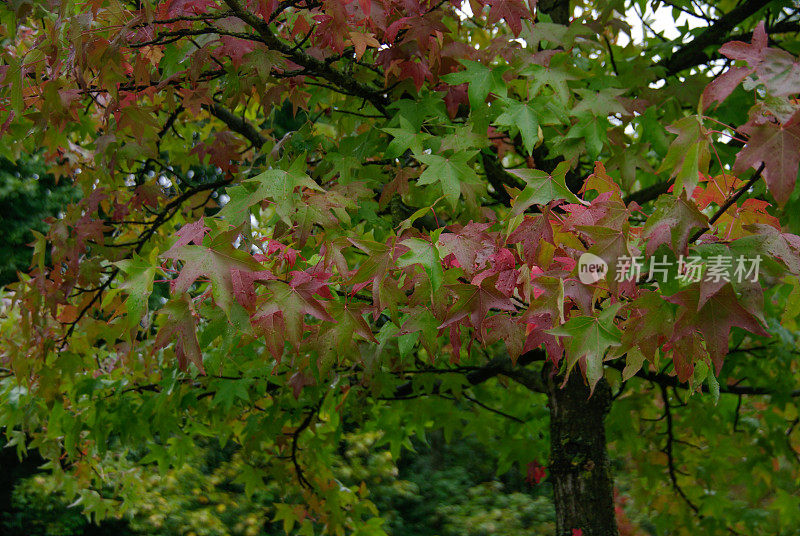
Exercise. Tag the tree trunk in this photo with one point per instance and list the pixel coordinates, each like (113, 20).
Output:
(583, 488)
(579, 465)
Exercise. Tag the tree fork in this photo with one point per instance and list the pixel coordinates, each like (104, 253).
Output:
(579, 464)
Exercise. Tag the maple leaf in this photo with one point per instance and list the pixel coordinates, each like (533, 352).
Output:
(293, 301)
(449, 172)
(533, 233)
(521, 117)
(722, 86)
(425, 254)
(297, 381)
(243, 284)
(405, 138)
(780, 72)
(737, 219)
(191, 233)
(471, 246)
(182, 8)
(217, 261)
(536, 473)
(673, 219)
(482, 80)
(773, 243)
(546, 297)
(608, 244)
(180, 328)
(752, 53)
(339, 337)
(688, 155)
(542, 187)
(606, 210)
(556, 74)
(600, 182)
(717, 190)
(777, 146)
(274, 184)
(685, 352)
(648, 326)
(375, 268)
(592, 130)
(713, 319)
(588, 338)
(361, 41)
(139, 285)
(475, 302)
(513, 11)
(421, 320)
(511, 331)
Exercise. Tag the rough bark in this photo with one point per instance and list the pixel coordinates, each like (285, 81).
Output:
(579, 464)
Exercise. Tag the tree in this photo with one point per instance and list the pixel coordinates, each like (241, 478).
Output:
(412, 205)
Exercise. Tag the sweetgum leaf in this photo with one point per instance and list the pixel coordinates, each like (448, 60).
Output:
(449, 172)
(589, 337)
(542, 187)
(713, 319)
(777, 146)
(423, 253)
(688, 155)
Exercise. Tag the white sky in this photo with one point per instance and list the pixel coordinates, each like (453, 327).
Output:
(661, 21)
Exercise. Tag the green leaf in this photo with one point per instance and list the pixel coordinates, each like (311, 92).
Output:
(521, 117)
(688, 155)
(405, 137)
(276, 185)
(449, 172)
(592, 130)
(139, 285)
(482, 80)
(543, 187)
(589, 337)
(423, 253)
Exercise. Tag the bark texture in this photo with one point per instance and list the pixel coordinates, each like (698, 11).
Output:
(579, 464)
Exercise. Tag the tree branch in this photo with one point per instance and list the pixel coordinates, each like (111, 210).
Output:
(693, 53)
(495, 367)
(731, 200)
(663, 380)
(237, 124)
(313, 65)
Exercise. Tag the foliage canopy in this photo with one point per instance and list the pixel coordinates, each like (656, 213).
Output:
(299, 218)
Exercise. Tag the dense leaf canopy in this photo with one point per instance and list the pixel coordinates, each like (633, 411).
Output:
(295, 219)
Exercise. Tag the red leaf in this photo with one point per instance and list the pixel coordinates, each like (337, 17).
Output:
(513, 11)
(713, 319)
(298, 381)
(536, 473)
(510, 330)
(778, 147)
(243, 282)
(188, 234)
(475, 302)
(183, 8)
(532, 232)
(752, 53)
(180, 329)
(723, 85)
